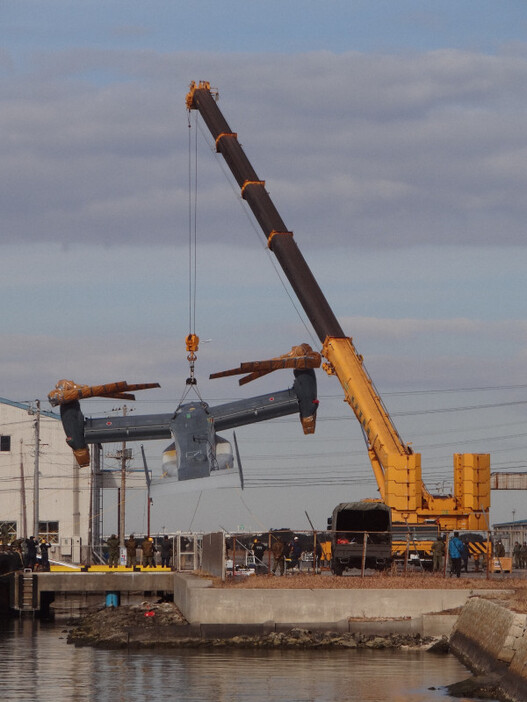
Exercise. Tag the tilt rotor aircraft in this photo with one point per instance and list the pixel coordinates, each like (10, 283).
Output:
(199, 458)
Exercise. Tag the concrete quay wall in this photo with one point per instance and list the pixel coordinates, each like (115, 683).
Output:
(105, 582)
(367, 611)
(489, 637)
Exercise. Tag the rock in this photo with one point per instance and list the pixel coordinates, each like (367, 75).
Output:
(128, 627)
(377, 642)
(440, 646)
(484, 687)
(351, 643)
(115, 627)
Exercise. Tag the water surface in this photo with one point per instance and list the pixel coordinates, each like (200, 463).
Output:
(37, 664)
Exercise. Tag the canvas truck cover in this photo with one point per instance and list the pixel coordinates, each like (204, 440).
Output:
(361, 516)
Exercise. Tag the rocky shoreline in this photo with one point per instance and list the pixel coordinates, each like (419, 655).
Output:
(154, 625)
(151, 625)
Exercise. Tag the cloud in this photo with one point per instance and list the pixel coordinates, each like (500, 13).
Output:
(390, 330)
(406, 353)
(378, 149)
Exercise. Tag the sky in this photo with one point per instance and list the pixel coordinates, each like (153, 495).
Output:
(392, 140)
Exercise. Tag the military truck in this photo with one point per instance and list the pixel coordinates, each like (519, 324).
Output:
(361, 536)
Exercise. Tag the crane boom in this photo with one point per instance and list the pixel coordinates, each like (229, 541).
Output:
(396, 467)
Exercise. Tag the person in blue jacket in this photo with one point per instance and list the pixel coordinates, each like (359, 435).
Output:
(455, 551)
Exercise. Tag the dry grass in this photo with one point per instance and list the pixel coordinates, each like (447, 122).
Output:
(517, 601)
(376, 581)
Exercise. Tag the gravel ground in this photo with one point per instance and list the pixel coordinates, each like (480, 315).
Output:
(374, 581)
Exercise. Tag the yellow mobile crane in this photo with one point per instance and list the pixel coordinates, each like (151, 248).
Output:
(396, 467)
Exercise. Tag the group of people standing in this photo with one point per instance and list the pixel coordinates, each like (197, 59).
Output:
(458, 553)
(283, 552)
(148, 551)
(519, 554)
(33, 554)
(286, 555)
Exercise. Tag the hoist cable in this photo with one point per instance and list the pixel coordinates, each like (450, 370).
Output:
(192, 339)
(192, 226)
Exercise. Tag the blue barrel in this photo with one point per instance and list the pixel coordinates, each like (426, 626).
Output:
(112, 599)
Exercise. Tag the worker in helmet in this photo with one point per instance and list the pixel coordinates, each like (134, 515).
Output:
(44, 558)
(148, 552)
(295, 553)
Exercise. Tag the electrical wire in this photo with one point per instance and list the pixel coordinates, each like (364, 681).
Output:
(195, 510)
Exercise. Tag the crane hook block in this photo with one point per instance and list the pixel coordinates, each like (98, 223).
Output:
(192, 342)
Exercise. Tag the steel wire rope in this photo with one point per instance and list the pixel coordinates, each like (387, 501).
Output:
(195, 510)
(192, 252)
(192, 225)
(251, 513)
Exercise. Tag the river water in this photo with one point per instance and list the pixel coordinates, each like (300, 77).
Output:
(38, 665)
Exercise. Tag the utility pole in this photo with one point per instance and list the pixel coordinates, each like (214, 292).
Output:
(123, 490)
(36, 472)
(23, 492)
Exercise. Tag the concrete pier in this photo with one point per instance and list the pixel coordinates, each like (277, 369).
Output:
(384, 611)
(356, 610)
(46, 586)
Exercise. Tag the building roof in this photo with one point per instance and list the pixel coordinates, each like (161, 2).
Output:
(511, 525)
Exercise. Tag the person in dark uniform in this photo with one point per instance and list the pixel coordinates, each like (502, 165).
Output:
(516, 552)
(166, 552)
(295, 552)
(523, 555)
(258, 552)
(277, 550)
(131, 546)
(4, 537)
(44, 557)
(438, 552)
(465, 556)
(148, 552)
(31, 553)
(113, 551)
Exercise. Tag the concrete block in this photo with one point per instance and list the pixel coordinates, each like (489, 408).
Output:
(438, 624)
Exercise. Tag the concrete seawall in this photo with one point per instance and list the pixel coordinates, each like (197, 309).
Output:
(356, 610)
(489, 637)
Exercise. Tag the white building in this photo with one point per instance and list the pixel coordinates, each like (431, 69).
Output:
(59, 499)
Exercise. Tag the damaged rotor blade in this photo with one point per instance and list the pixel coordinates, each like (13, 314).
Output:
(68, 391)
(67, 394)
(299, 358)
